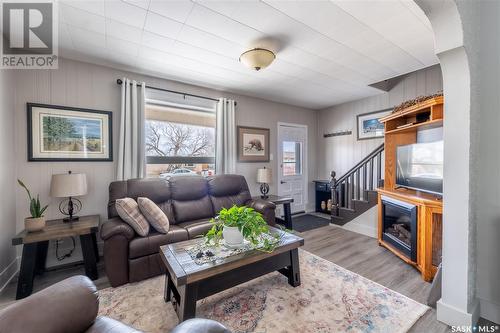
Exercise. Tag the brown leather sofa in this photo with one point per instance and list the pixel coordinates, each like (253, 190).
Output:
(188, 201)
(72, 306)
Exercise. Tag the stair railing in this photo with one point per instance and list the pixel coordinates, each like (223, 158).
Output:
(355, 183)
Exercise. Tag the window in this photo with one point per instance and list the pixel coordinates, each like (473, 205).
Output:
(179, 141)
(292, 160)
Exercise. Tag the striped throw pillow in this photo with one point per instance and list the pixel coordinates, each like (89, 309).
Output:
(129, 211)
(155, 216)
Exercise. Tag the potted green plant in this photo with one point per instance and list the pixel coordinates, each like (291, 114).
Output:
(37, 221)
(238, 223)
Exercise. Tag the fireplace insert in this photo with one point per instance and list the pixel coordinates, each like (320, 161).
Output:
(399, 226)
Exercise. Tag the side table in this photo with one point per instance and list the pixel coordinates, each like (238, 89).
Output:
(36, 245)
(285, 201)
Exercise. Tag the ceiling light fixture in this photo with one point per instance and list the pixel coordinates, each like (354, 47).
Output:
(257, 58)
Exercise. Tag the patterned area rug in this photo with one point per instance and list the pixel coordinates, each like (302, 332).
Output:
(330, 299)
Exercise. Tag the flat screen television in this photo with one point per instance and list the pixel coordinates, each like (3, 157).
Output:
(420, 167)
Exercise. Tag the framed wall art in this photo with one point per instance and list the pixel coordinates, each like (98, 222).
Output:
(369, 126)
(61, 133)
(253, 144)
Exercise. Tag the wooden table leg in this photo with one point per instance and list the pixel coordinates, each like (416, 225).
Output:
(89, 257)
(27, 270)
(96, 249)
(167, 294)
(41, 257)
(187, 303)
(288, 215)
(294, 269)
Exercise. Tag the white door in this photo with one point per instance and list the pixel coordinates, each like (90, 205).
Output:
(292, 166)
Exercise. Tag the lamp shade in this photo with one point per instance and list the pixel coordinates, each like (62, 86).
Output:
(264, 176)
(68, 185)
(257, 58)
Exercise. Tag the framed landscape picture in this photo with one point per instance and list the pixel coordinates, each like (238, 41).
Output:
(60, 133)
(369, 126)
(253, 144)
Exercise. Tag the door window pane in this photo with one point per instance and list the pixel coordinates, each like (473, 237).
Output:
(292, 158)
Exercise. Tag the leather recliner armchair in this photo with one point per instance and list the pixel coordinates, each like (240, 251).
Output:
(189, 203)
(72, 306)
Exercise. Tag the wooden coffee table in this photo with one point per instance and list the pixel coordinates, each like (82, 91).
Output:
(186, 282)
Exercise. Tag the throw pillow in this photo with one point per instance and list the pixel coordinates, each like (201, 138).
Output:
(155, 216)
(129, 211)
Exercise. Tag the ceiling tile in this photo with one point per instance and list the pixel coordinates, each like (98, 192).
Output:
(122, 46)
(91, 6)
(211, 42)
(86, 40)
(144, 4)
(126, 13)
(209, 21)
(162, 26)
(327, 53)
(382, 17)
(81, 18)
(177, 10)
(158, 42)
(123, 31)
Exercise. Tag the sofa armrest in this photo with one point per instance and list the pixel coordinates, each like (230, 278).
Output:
(68, 306)
(261, 205)
(116, 226)
(266, 208)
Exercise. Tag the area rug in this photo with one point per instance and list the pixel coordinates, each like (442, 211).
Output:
(330, 299)
(307, 222)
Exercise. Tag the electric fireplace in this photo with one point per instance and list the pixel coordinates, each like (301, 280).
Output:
(399, 226)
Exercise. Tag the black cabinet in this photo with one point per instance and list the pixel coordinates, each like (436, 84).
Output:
(323, 193)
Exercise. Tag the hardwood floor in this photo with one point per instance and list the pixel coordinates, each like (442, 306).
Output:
(353, 251)
(363, 255)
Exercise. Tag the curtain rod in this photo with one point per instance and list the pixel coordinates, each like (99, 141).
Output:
(119, 81)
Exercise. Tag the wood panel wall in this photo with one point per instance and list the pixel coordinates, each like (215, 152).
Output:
(342, 152)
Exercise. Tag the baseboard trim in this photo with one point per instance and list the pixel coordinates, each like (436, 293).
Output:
(453, 316)
(9, 273)
(361, 229)
(490, 310)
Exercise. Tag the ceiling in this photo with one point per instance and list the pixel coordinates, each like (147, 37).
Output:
(328, 52)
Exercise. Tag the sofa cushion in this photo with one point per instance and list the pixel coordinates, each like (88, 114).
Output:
(129, 211)
(156, 189)
(196, 228)
(185, 188)
(143, 246)
(193, 210)
(155, 216)
(228, 191)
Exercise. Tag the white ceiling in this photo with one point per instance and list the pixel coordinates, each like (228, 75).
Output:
(327, 51)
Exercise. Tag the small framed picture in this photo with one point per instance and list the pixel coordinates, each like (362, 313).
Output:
(369, 126)
(253, 144)
(61, 133)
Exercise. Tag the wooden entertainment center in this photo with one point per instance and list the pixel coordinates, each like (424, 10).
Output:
(401, 128)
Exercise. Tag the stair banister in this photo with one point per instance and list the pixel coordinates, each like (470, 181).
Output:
(342, 189)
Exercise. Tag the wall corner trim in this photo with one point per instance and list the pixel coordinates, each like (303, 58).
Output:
(453, 316)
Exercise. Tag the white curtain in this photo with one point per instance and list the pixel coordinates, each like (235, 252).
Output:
(131, 146)
(225, 138)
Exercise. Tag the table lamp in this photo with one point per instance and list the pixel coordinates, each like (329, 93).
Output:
(264, 177)
(69, 185)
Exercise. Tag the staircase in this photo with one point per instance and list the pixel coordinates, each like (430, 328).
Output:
(354, 193)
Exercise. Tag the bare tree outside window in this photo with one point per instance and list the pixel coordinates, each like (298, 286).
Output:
(174, 139)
